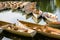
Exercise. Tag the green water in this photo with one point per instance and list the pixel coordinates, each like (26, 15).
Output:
(52, 6)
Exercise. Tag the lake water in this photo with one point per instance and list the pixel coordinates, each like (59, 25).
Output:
(52, 6)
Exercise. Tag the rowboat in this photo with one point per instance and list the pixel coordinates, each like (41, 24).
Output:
(19, 29)
(43, 29)
(49, 17)
(37, 15)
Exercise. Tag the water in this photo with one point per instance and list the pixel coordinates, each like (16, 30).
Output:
(52, 6)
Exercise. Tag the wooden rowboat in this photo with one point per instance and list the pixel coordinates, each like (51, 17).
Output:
(45, 30)
(37, 15)
(49, 17)
(19, 30)
(22, 33)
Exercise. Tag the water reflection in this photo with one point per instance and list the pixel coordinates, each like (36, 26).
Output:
(8, 36)
(57, 3)
(46, 5)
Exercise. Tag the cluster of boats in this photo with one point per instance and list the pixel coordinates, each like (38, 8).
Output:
(30, 29)
(14, 5)
(28, 8)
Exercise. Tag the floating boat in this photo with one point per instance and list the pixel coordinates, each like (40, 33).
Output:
(24, 4)
(37, 15)
(2, 6)
(28, 9)
(7, 5)
(19, 29)
(43, 29)
(49, 17)
(13, 6)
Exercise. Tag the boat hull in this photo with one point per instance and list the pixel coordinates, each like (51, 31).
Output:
(32, 25)
(21, 33)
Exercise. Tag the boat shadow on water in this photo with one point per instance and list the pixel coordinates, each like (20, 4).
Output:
(19, 37)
